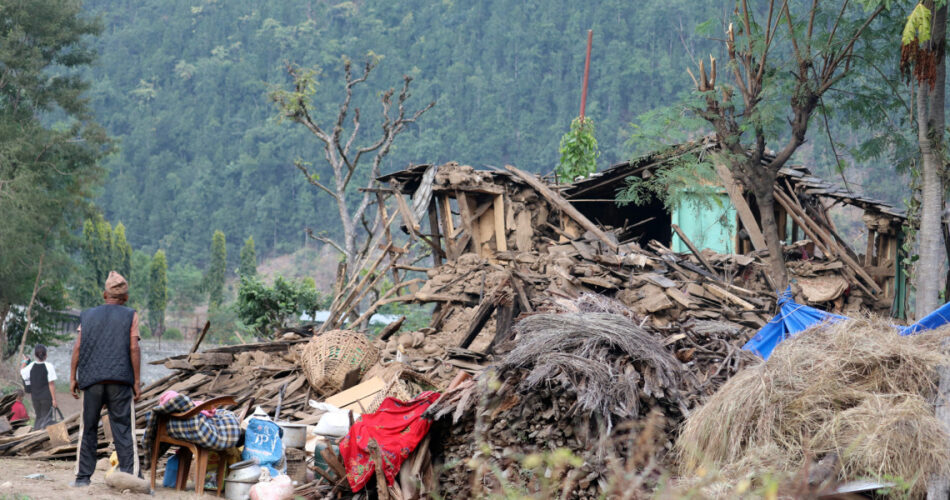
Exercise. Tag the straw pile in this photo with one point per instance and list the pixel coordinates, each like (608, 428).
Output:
(855, 389)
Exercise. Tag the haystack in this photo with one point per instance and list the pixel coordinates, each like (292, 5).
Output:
(855, 389)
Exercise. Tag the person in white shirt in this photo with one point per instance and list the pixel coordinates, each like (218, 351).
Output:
(40, 380)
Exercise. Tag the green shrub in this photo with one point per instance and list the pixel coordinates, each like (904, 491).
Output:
(144, 331)
(172, 334)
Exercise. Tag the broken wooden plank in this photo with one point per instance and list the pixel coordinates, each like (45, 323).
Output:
(448, 228)
(408, 218)
(827, 239)
(562, 204)
(742, 208)
(725, 295)
(692, 248)
(501, 244)
(200, 337)
(437, 252)
(482, 315)
(680, 297)
(391, 328)
(468, 222)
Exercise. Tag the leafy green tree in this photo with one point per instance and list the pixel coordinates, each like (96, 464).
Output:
(139, 280)
(923, 60)
(248, 265)
(267, 309)
(121, 252)
(579, 151)
(217, 270)
(746, 106)
(49, 148)
(185, 288)
(158, 293)
(97, 257)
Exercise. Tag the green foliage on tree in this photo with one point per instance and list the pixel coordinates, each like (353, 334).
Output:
(98, 258)
(198, 129)
(121, 253)
(686, 176)
(157, 293)
(139, 280)
(49, 148)
(248, 265)
(579, 151)
(267, 309)
(184, 288)
(217, 270)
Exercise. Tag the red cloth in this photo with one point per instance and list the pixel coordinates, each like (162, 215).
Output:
(19, 411)
(397, 427)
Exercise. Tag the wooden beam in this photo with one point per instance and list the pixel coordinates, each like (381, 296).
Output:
(562, 204)
(407, 216)
(742, 208)
(468, 222)
(869, 252)
(447, 227)
(501, 244)
(482, 315)
(200, 337)
(692, 248)
(391, 328)
(828, 239)
(723, 294)
(437, 252)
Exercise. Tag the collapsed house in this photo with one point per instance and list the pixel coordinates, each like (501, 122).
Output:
(584, 313)
(503, 217)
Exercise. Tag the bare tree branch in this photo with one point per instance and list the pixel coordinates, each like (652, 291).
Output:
(324, 239)
(312, 180)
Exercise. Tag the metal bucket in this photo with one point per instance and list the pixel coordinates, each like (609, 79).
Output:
(243, 475)
(295, 435)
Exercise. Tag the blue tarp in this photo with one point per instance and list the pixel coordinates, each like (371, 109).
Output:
(933, 320)
(791, 319)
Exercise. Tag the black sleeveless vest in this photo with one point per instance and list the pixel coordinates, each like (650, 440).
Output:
(104, 346)
(39, 382)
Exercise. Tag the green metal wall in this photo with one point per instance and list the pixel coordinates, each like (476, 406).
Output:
(709, 222)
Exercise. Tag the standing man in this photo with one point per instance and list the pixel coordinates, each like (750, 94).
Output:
(40, 379)
(105, 367)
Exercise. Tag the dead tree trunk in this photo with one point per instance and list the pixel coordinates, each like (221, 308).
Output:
(340, 152)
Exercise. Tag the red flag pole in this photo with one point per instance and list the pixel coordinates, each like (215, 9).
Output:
(590, 40)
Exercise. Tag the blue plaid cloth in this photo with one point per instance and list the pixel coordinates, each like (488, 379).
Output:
(220, 432)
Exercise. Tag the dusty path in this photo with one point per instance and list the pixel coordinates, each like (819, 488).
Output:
(55, 486)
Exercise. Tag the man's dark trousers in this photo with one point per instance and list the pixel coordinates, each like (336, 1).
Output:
(118, 399)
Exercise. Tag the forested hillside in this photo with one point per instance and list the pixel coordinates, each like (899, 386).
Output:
(183, 86)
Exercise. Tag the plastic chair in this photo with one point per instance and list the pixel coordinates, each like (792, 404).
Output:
(192, 450)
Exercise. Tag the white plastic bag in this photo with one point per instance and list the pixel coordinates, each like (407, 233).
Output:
(334, 422)
(279, 488)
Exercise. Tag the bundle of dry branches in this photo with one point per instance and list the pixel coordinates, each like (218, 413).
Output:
(854, 389)
(606, 358)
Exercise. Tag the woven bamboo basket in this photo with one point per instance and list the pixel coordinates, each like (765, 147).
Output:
(296, 464)
(328, 358)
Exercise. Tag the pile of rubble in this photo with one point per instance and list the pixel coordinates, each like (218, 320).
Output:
(573, 337)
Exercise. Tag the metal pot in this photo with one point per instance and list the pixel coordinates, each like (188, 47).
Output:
(295, 435)
(243, 475)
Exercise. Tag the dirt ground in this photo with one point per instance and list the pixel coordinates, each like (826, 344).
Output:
(55, 484)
